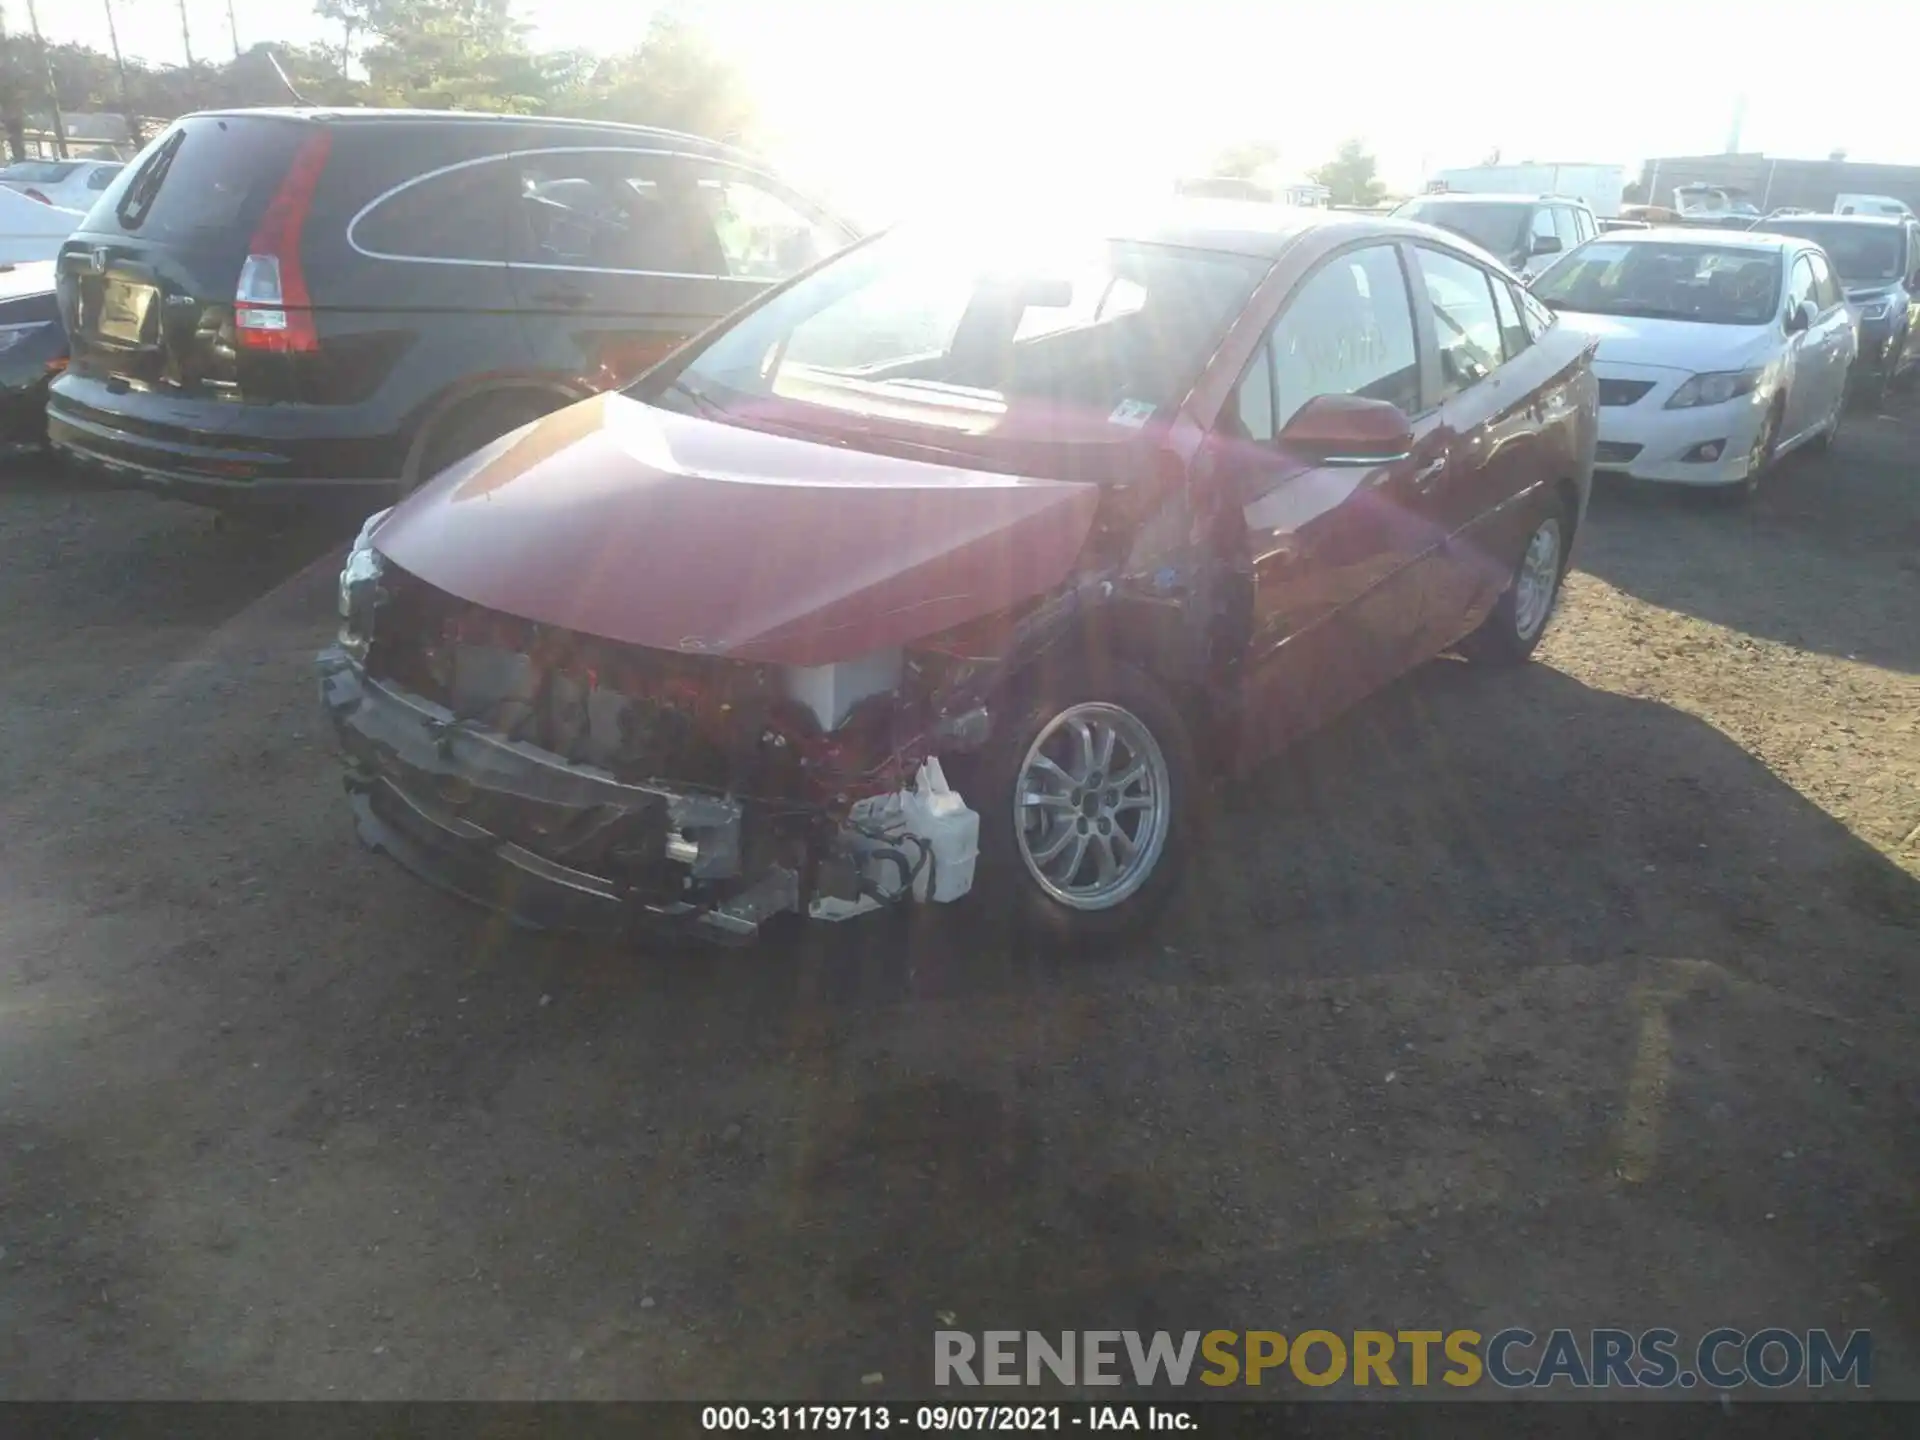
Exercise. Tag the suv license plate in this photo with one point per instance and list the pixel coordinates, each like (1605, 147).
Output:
(124, 310)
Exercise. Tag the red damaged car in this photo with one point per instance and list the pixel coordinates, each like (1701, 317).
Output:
(958, 564)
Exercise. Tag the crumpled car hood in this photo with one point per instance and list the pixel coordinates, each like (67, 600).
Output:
(640, 525)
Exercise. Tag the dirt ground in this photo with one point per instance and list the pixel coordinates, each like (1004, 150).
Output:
(1578, 995)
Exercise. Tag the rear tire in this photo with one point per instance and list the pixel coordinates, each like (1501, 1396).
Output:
(1088, 799)
(474, 426)
(1511, 632)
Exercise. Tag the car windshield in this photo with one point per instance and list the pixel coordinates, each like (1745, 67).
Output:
(1859, 252)
(1498, 228)
(971, 344)
(1712, 284)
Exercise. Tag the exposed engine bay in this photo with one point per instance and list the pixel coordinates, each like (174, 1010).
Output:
(695, 788)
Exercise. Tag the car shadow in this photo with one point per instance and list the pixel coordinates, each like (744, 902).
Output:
(1826, 557)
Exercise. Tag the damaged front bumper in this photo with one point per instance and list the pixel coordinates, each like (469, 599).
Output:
(463, 808)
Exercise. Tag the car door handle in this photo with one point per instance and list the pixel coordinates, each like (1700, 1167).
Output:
(1424, 477)
(567, 296)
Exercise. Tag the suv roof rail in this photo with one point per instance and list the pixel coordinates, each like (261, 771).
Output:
(360, 114)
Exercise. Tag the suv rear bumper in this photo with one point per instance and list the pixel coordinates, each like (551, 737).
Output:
(187, 452)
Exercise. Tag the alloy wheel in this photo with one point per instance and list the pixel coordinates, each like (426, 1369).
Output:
(1762, 453)
(1539, 576)
(1093, 804)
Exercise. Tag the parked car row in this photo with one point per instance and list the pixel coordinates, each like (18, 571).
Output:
(954, 567)
(738, 567)
(1782, 321)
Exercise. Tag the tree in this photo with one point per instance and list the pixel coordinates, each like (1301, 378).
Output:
(1349, 175)
(674, 80)
(452, 55)
(1246, 160)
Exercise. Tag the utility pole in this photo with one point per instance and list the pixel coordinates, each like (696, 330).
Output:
(53, 90)
(126, 98)
(233, 29)
(10, 98)
(186, 35)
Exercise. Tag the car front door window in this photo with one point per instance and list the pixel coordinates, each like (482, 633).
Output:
(619, 210)
(1542, 229)
(1347, 331)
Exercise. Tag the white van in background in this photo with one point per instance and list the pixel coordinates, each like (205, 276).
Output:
(1872, 205)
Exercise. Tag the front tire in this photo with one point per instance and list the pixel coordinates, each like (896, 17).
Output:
(1087, 805)
(1512, 630)
(1760, 460)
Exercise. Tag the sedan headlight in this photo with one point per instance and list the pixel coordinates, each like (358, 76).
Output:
(1715, 387)
(1875, 310)
(12, 335)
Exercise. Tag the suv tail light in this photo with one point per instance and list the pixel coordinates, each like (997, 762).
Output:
(271, 307)
(33, 194)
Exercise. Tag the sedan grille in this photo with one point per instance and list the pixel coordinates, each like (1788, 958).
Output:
(1614, 452)
(1623, 392)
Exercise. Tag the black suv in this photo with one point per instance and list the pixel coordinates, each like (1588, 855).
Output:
(295, 304)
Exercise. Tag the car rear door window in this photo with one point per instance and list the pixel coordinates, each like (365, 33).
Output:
(1542, 227)
(1347, 331)
(1466, 325)
(102, 176)
(1564, 227)
(623, 210)
(459, 214)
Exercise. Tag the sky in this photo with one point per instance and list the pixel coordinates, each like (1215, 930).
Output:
(915, 99)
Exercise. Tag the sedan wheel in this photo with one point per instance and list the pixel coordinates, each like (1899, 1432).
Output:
(1509, 634)
(1088, 802)
(1539, 577)
(1093, 806)
(1759, 459)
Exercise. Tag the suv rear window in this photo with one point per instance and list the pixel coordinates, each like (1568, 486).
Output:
(208, 173)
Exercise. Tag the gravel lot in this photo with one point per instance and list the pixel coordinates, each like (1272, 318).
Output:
(1581, 995)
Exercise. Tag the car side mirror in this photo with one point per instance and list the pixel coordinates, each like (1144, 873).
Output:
(1546, 245)
(1348, 430)
(1800, 317)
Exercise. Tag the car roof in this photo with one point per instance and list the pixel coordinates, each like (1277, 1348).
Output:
(1494, 198)
(1821, 218)
(1251, 227)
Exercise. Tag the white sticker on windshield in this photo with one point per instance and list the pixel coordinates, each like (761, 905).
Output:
(1132, 413)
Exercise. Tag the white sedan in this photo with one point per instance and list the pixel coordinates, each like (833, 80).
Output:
(1718, 353)
(68, 184)
(30, 230)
